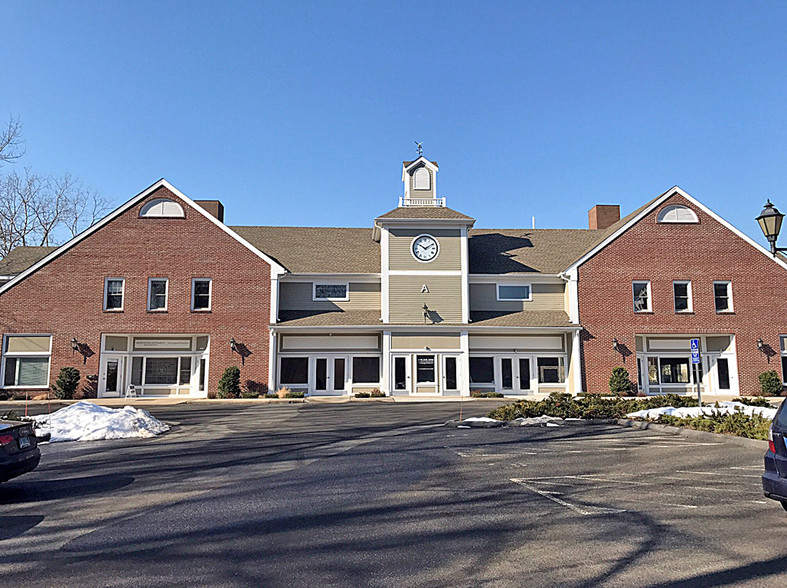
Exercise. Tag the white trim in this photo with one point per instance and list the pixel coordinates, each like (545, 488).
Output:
(634, 300)
(731, 308)
(425, 272)
(166, 294)
(367, 278)
(122, 294)
(316, 283)
(275, 266)
(660, 217)
(690, 309)
(145, 210)
(527, 298)
(436, 244)
(517, 278)
(273, 362)
(655, 204)
(430, 328)
(576, 363)
(384, 278)
(210, 294)
(464, 263)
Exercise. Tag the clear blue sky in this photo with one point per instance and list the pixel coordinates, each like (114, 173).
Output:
(301, 112)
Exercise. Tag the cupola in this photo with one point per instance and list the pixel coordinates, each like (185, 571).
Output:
(420, 183)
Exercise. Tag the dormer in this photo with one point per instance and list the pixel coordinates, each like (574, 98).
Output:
(420, 183)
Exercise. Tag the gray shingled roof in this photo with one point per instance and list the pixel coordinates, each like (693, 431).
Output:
(318, 318)
(317, 250)
(371, 318)
(428, 212)
(522, 318)
(22, 258)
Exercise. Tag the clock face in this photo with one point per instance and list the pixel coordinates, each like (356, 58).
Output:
(425, 248)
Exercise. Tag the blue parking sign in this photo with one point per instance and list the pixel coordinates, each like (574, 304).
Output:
(695, 351)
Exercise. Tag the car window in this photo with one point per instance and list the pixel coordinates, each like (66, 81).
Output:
(781, 417)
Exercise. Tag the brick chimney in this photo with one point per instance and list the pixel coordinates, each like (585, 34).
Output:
(602, 216)
(212, 207)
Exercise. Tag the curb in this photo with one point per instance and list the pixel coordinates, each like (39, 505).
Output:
(694, 434)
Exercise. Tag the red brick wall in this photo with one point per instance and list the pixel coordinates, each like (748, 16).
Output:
(662, 253)
(65, 297)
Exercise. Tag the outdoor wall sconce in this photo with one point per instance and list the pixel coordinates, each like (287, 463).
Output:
(426, 313)
(74, 344)
(770, 220)
(233, 345)
(615, 344)
(82, 348)
(760, 344)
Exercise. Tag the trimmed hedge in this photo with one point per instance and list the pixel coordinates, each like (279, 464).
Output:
(563, 405)
(739, 424)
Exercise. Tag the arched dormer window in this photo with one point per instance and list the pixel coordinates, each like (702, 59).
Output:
(421, 179)
(162, 208)
(677, 213)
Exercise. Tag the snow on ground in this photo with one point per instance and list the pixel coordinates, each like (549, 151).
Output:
(693, 411)
(85, 421)
(481, 420)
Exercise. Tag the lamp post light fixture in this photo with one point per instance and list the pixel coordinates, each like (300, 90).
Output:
(770, 220)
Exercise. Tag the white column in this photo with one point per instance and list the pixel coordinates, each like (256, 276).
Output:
(272, 343)
(464, 364)
(576, 362)
(386, 383)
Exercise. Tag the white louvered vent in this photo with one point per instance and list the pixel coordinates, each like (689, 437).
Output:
(161, 208)
(677, 213)
(421, 179)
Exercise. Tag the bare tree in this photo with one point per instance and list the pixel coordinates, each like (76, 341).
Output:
(41, 209)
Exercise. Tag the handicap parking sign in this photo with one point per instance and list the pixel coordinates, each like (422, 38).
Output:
(695, 351)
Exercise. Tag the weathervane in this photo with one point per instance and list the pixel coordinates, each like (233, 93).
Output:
(420, 147)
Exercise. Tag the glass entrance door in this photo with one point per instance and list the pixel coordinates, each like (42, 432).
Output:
(401, 374)
(330, 375)
(111, 382)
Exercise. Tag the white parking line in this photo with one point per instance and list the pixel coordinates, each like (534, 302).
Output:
(583, 510)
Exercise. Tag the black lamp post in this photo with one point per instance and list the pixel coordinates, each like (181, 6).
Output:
(770, 220)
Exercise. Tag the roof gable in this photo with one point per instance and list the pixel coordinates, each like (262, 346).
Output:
(626, 223)
(162, 183)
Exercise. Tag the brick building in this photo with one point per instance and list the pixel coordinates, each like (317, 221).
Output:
(162, 296)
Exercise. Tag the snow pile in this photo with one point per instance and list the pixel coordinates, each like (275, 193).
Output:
(694, 411)
(85, 421)
(480, 420)
(538, 421)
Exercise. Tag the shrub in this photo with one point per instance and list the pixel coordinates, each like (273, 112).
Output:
(758, 401)
(229, 384)
(376, 393)
(738, 423)
(253, 389)
(66, 383)
(295, 395)
(480, 394)
(592, 406)
(282, 392)
(363, 394)
(770, 383)
(620, 383)
(271, 395)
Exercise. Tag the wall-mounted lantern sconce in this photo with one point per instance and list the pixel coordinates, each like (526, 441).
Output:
(74, 344)
(427, 348)
(426, 313)
(760, 344)
(233, 345)
(615, 344)
(82, 348)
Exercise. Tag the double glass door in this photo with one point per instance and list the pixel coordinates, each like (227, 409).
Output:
(330, 375)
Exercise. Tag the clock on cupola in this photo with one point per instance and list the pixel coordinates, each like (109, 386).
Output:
(425, 248)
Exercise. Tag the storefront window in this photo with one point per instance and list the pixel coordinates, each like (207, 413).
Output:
(551, 370)
(366, 370)
(424, 369)
(482, 370)
(294, 370)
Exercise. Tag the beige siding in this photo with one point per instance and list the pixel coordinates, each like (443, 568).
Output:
(508, 343)
(443, 299)
(436, 341)
(448, 257)
(421, 193)
(544, 297)
(298, 296)
(334, 343)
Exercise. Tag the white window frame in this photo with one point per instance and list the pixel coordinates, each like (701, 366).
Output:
(309, 370)
(23, 354)
(210, 294)
(730, 308)
(690, 308)
(782, 355)
(166, 294)
(528, 298)
(661, 218)
(149, 210)
(349, 369)
(327, 283)
(122, 294)
(634, 299)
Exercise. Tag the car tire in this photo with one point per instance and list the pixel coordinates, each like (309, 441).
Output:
(784, 504)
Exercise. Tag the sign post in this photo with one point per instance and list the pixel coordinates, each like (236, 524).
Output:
(695, 361)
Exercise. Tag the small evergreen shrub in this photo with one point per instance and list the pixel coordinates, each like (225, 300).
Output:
(295, 395)
(480, 394)
(758, 401)
(66, 383)
(229, 384)
(770, 383)
(271, 395)
(363, 394)
(738, 423)
(376, 393)
(620, 383)
(90, 389)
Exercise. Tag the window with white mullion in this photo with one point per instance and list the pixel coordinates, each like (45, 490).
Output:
(201, 293)
(722, 296)
(26, 361)
(157, 294)
(682, 296)
(641, 292)
(113, 293)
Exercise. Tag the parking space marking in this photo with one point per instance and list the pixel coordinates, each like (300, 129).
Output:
(583, 510)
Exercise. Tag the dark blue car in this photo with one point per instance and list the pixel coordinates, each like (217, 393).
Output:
(774, 480)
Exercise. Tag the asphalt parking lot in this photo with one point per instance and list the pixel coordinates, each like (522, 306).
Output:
(382, 495)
